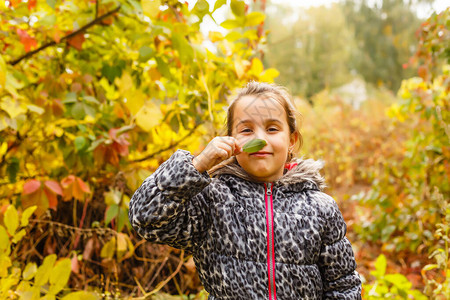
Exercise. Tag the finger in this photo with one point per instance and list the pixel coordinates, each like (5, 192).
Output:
(228, 148)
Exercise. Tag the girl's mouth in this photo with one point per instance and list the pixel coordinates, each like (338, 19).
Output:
(260, 154)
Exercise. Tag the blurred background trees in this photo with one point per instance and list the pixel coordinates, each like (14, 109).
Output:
(94, 95)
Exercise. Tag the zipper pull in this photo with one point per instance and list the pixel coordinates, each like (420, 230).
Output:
(269, 189)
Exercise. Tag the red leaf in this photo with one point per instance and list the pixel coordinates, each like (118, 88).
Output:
(52, 199)
(77, 41)
(75, 266)
(31, 4)
(26, 40)
(84, 187)
(31, 186)
(74, 187)
(57, 34)
(54, 187)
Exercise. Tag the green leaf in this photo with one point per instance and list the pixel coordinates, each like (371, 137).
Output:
(12, 169)
(254, 145)
(80, 142)
(238, 7)
(122, 219)
(254, 18)
(386, 232)
(30, 271)
(26, 215)
(182, 46)
(60, 276)
(163, 68)
(51, 3)
(11, 219)
(48, 20)
(111, 213)
(44, 270)
(145, 53)
(77, 111)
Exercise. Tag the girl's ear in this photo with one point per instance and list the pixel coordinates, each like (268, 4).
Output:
(293, 139)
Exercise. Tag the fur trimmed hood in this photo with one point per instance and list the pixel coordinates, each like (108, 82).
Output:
(298, 171)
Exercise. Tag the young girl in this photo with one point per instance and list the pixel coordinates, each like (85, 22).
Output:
(258, 224)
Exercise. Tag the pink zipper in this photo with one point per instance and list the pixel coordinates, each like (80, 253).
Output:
(270, 241)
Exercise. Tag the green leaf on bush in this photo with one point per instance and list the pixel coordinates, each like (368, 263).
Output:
(111, 213)
(254, 145)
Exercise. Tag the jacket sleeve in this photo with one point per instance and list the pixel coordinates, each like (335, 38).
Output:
(336, 260)
(170, 206)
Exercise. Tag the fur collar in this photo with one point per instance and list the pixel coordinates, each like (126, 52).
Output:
(299, 174)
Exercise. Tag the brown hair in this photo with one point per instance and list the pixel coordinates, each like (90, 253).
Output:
(279, 94)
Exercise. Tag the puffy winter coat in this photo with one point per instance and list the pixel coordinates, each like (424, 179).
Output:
(250, 240)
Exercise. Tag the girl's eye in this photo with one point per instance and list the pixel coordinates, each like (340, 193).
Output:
(273, 129)
(246, 130)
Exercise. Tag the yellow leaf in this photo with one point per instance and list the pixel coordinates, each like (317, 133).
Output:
(108, 249)
(11, 219)
(215, 36)
(13, 108)
(4, 240)
(121, 242)
(257, 66)
(3, 149)
(44, 270)
(5, 263)
(148, 116)
(82, 295)
(60, 275)
(269, 75)
(112, 197)
(125, 83)
(26, 215)
(18, 236)
(151, 7)
(3, 72)
(30, 271)
(134, 100)
(239, 67)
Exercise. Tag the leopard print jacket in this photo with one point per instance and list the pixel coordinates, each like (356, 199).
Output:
(250, 240)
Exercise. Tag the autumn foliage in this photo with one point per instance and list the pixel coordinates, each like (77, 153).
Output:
(94, 95)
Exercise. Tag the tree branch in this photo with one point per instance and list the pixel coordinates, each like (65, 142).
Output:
(167, 148)
(70, 35)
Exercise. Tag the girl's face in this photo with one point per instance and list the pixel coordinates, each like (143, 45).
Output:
(259, 117)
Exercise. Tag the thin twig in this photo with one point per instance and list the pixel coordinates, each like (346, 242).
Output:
(70, 35)
(167, 148)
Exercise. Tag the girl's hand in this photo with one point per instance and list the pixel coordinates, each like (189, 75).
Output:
(218, 149)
